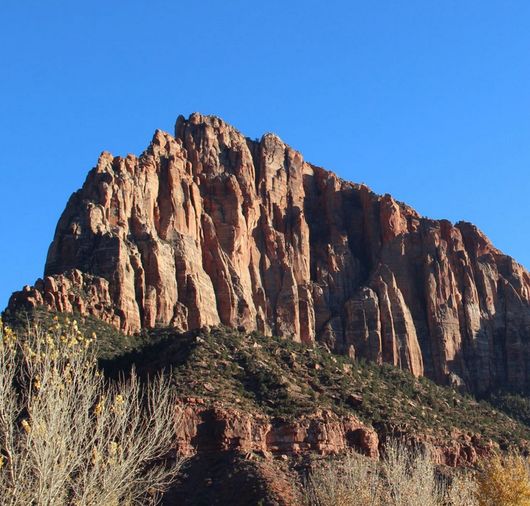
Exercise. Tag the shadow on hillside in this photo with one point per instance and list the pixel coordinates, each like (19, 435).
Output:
(229, 478)
(164, 350)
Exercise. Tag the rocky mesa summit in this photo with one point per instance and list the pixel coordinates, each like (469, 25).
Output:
(209, 227)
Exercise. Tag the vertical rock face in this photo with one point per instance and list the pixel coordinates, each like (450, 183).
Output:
(209, 227)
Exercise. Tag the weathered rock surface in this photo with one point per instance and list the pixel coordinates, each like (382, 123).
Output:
(216, 429)
(235, 457)
(72, 291)
(209, 227)
(205, 429)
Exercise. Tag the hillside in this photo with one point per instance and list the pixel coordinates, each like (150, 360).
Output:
(279, 378)
(276, 378)
(257, 410)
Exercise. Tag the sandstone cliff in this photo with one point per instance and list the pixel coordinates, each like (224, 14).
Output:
(209, 227)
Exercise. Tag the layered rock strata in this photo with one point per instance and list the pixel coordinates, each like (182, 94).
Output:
(216, 429)
(209, 227)
(204, 429)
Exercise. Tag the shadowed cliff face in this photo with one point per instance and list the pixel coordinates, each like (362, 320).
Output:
(209, 227)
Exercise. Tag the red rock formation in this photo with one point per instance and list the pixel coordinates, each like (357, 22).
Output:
(218, 428)
(70, 292)
(215, 429)
(210, 227)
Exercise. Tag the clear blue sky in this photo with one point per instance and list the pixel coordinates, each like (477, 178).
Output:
(428, 100)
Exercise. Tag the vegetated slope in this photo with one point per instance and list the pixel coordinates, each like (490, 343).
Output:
(234, 383)
(285, 379)
(208, 227)
(281, 378)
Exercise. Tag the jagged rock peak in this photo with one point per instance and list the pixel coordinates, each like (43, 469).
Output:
(209, 227)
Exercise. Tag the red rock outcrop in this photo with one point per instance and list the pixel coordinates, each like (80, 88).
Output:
(72, 291)
(209, 227)
(219, 428)
(206, 429)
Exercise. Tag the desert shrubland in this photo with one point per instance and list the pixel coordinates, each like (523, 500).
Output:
(403, 477)
(406, 476)
(70, 436)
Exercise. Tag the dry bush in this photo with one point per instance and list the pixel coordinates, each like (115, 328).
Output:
(350, 481)
(404, 477)
(504, 481)
(410, 477)
(462, 490)
(68, 436)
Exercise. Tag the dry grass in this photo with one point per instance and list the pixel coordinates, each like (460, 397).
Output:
(68, 436)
